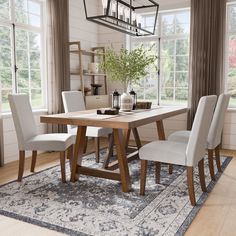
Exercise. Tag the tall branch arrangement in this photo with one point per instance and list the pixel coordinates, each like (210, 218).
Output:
(126, 66)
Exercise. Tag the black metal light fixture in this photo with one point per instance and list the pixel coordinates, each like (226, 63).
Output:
(123, 15)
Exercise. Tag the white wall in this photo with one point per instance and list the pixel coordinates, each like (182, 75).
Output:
(81, 30)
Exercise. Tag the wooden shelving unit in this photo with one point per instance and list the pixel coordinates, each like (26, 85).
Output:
(96, 53)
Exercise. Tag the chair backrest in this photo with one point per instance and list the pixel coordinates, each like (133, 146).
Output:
(198, 137)
(214, 136)
(73, 101)
(23, 118)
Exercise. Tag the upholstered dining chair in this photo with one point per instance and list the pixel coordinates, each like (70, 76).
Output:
(29, 140)
(74, 101)
(186, 154)
(214, 136)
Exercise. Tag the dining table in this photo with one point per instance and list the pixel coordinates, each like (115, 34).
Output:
(122, 124)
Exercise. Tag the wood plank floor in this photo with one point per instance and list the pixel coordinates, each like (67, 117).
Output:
(216, 217)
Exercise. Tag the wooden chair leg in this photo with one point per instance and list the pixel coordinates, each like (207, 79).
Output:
(33, 162)
(63, 166)
(143, 177)
(157, 171)
(211, 164)
(109, 151)
(217, 154)
(21, 165)
(85, 144)
(70, 152)
(202, 175)
(97, 148)
(191, 185)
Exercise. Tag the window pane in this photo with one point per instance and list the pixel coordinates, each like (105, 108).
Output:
(182, 47)
(167, 95)
(34, 41)
(182, 79)
(22, 59)
(35, 79)
(23, 79)
(34, 7)
(22, 17)
(21, 39)
(168, 48)
(5, 57)
(232, 18)
(5, 66)
(34, 20)
(183, 18)
(4, 10)
(36, 98)
(6, 78)
(5, 39)
(182, 63)
(182, 29)
(181, 94)
(35, 60)
(21, 5)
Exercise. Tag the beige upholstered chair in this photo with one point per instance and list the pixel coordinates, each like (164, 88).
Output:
(29, 140)
(74, 101)
(186, 154)
(214, 136)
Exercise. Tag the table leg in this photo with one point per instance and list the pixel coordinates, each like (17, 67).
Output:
(127, 137)
(162, 136)
(78, 152)
(137, 138)
(121, 156)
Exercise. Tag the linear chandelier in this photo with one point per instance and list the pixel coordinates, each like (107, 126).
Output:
(123, 15)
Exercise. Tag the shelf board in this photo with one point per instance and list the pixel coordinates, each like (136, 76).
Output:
(74, 73)
(88, 74)
(88, 53)
(94, 74)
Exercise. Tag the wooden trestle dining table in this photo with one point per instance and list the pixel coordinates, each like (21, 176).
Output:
(122, 124)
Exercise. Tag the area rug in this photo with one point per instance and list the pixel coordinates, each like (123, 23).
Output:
(96, 206)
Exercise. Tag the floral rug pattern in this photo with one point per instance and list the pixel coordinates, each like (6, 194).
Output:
(95, 206)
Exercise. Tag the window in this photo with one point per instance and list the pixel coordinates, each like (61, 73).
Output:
(21, 51)
(231, 53)
(172, 40)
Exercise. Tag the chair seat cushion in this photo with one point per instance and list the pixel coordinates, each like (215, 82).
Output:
(180, 136)
(164, 151)
(94, 131)
(50, 142)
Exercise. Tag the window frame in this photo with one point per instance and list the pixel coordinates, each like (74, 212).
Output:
(158, 36)
(34, 29)
(228, 34)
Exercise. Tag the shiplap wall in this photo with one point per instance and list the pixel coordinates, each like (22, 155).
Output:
(84, 31)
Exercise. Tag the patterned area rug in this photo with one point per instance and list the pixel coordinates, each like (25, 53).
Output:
(96, 206)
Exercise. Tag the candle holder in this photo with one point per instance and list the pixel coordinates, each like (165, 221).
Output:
(116, 100)
(134, 97)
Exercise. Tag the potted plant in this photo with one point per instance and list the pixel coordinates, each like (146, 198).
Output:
(128, 67)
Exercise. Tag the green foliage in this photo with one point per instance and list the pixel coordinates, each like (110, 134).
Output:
(128, 67)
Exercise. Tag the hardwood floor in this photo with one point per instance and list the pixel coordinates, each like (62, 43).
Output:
(216, 217)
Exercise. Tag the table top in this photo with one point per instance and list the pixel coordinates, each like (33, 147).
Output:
(124, 120)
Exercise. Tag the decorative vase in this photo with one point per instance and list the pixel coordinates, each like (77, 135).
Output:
(126, 102)
(93, 67)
